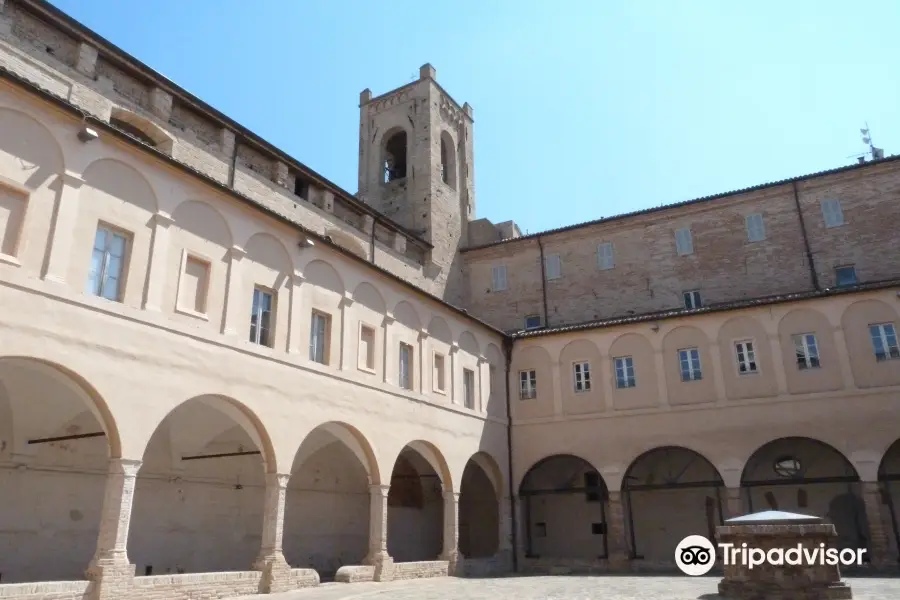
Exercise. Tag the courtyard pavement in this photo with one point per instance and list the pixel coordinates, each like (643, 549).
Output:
(645, 587)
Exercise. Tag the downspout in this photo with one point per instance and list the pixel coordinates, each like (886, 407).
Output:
(809, 256)
(543, 282)
(507, 351)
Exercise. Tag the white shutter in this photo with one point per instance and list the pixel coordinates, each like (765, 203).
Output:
(498, 274)
(683, 242)
(605, 257)
(756, 229)
(553, 266)
(832, 212)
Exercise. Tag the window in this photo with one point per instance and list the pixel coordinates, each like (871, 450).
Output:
(605, 256)
(193, 285)
(319, 331)
(624, 372)
(12, 213)
(438, 376)
(527, 385)
(469, 387)
(692, 299)
(395, 157)
(689, 358)
(498, 278)
(746, 357)
(406, 365)
(845, 276)
(582, 374)
(107, 263)
(756, 229)
(301, 187)
(684, 245)
(832, 212)
(807, 351)
(884, 341)
(532, 321)
(553, 267)
(261, 317)
(366, 358)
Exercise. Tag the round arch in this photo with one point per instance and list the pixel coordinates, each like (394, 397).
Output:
(435, 459)
(394, 153)
(889, 481)
(353, 439)
(479, 507)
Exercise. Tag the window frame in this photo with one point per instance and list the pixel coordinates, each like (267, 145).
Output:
(528, 384)
(326, 337)
(747, 348)
(469, 388)
(373, 348)
(891, 351)
(835, 210)
(270, 328)
(694, 371)
(439, 386)
(602, 256)
(125, 259)
(837, 282)
(538, 326)
(410, 382)
(755, 223)
(581, 378)
(551, 259)
(495, 270)
(186, 257)
(811, 360)
(684, 236)
(629, 379)
(692, 294)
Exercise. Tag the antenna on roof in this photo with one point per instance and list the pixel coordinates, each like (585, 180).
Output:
(876, 153)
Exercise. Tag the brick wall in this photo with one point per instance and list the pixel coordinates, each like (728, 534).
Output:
(420, 570)
(199, 585)
(48, 590)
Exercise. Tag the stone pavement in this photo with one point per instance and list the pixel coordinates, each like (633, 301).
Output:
(608, 587)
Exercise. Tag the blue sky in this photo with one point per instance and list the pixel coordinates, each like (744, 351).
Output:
(582, 109)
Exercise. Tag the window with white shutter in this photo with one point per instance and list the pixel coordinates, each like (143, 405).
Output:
(683, 242)
(553, 266)
(832, 212)
(498, 278)
(605, 257)
(756, 229)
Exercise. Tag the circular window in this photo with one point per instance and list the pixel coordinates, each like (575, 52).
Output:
(787, 466)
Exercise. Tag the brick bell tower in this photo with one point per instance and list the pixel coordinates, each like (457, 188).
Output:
(416, 167)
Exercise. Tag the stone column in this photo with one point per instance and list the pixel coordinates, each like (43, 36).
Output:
(378, 523)
(110, 570)
(505, 547)
(294, 323)
(616, 534)
(276, 572)
(235, 290)
(451, 531)
(346, 332)
(734, 504)
(159, 246)
(879, 545)
(63, 228)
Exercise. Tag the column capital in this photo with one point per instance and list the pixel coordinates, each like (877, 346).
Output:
(347, 299)
(482, 359)
(71, 179)
(297, 278)
(236, 252)
(125, 466)
(450, 495)
(423, 335)
(279, 480)
(379, 488)
(389, 318)
(454, 347)
(163, 219)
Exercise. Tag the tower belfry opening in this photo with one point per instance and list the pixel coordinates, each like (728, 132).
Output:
(395, 157)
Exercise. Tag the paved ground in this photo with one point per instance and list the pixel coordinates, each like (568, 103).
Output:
(554, 588)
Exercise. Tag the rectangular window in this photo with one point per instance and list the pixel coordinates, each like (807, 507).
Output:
(193, 286)
(553, 267)
(807, 351)
(684, 244)
(746, 357)
(319, 332)
(845, 275)
(884, 341)
(406, 365)
(832, 212)
(582, 376)
(756, 229)
(527, 385)
(624, 372)
(469, 387)
(107, 264)
(498, 278)
(689, 359)
(692, 299)
(261, 317)
(366, 358)
(438, 375)
(532, 321)
(12, 215)
(301, 187)
(605, 256)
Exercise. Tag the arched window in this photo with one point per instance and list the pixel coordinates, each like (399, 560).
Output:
(395, 157)
(448, 160)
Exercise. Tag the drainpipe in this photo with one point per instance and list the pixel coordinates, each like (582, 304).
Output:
(507, 351)
(543, 282)
(809, 256)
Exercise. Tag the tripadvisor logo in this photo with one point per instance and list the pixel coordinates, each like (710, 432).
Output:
(695, 555)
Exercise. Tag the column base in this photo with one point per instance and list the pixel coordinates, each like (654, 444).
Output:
(276, 573)
(454, 560)
(384, 565)
(111, 576)
(619, 562)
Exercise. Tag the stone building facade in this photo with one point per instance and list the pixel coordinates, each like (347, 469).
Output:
(222, 374)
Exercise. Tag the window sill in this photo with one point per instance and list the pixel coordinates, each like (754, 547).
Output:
(580, 392)
(10, 260)
(194, 314)
(439, 391)
(366, 370)
(748, 373)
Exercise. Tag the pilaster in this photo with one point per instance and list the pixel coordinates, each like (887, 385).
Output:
(62, 229)
(159, 244)
(346, 331)
(294, 312)
(235, 288)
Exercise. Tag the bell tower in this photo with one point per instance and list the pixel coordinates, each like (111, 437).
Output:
(416, 167)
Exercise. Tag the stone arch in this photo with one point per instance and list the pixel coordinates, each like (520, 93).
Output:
(807, 476)
(142, 129)
(496, 401)
(563, 496)
(857, 321)
(532, 358)
(889, 482)
(267, 250)
(203, 220)
(407, 315)
(327, 504)
(56, 433)
(31, 142)
(889, 467)
(481, 491)
(395, 154)
(802, 321)
(123, 182)
(670, 492)
(347, 242)
(368, 295)
(439, 330)
(639, 348)
(321, 274)
(208, 451)
(688, 342)
(579, 362)
(753, 377)
(468, 343)
(448, 159)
